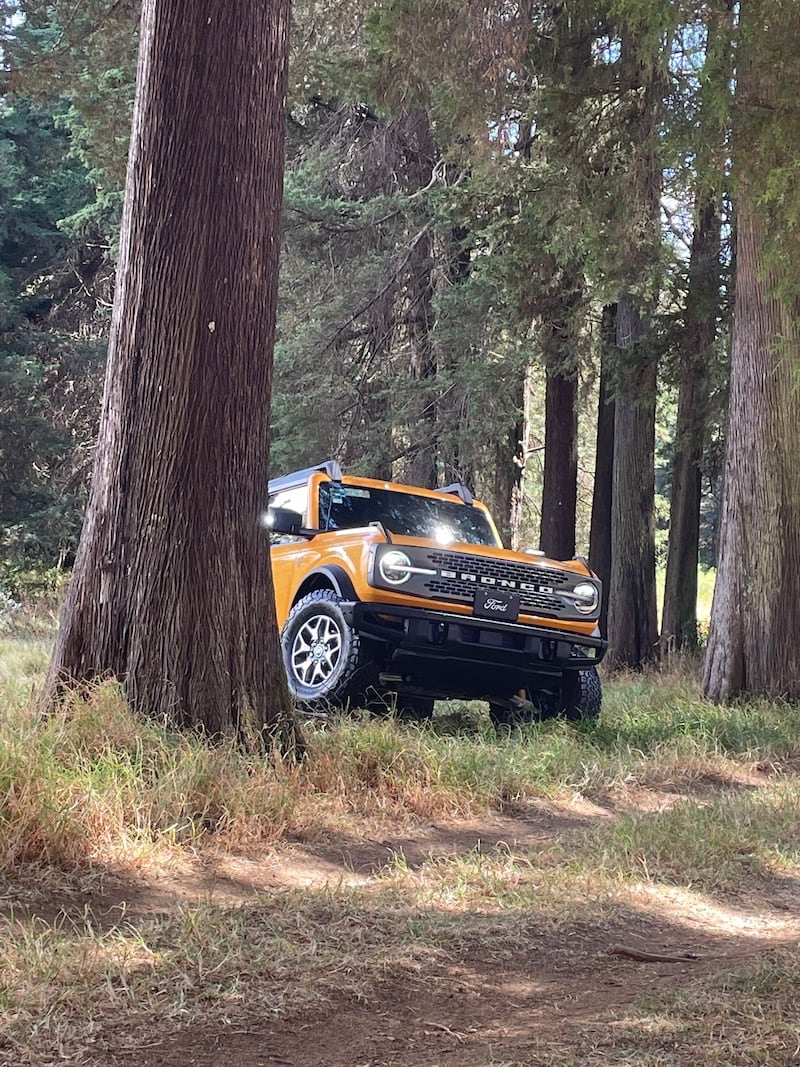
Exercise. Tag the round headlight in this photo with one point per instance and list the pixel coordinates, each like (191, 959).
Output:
(586, 597)
(395, 567)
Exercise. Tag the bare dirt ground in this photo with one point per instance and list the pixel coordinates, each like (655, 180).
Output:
(523, 1005)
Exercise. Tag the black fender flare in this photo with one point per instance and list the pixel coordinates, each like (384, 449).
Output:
(337, 578)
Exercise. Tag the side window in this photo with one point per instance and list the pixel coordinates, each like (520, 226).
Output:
(345, 507)
(295, 499)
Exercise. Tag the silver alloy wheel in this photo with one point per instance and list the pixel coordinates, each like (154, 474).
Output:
(315, 651)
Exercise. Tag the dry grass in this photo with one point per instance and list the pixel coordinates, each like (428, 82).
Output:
(696, 801)
(748, 1017)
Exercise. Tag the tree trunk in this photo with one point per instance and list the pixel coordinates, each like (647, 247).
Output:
(171, 590)
(563, 317)
(560, 489)
(679, 622)
(632, 616)
(422, 468)
(600, 533)
(422, 367)
(455, 443)
(753, 645)
(507, 483)
(632, 619)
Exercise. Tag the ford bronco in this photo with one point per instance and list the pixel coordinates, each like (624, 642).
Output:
(390, 596)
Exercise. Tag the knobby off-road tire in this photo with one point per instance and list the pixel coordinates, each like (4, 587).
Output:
(581, 695)
(581, 700)
(322, 653)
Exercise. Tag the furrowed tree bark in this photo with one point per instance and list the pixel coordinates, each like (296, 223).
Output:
(560, 486)
(752, 646)
(171, 590)
(679, 622)
(560, 489)
(600, 532)
(632, 619)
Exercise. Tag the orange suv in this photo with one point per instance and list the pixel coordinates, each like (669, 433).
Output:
(390, 596)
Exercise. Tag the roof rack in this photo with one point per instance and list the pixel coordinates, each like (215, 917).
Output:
(286, 481)
(459, 490)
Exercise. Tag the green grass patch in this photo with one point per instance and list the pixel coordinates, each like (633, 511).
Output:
(94, 782)
(93, 788)
(721, 847)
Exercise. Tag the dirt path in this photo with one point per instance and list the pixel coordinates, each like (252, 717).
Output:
(520, 1006)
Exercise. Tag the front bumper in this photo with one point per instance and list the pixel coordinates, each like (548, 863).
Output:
(424, 644)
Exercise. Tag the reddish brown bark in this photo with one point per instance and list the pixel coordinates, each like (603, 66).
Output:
(752, 645)
(679, 622)
(632, 620)
(171, 590)
(560, 488)
(600, 533)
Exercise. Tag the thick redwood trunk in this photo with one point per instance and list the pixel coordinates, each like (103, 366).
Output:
(632, 620)
(679, 622)
(753, 646)
(560, 489)
(171, 590)
(600, 533)
(632, 617)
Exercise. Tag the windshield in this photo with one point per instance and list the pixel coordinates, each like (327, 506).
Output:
(345, 507)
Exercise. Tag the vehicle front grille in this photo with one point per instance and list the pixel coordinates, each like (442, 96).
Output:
(535, 586)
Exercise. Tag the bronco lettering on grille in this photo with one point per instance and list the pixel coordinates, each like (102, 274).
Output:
(500, 583)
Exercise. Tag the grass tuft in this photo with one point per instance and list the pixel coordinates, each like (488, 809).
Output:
(664, 791)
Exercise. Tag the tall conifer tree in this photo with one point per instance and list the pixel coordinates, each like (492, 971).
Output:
(752, 646)
(171, 590)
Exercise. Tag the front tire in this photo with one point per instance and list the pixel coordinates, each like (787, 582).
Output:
(322, 653)
(581, 695)
(580, 700)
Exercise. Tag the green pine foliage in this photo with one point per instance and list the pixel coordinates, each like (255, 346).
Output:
(507, 212)
(48, 363)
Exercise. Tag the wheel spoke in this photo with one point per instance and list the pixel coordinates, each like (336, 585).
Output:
(316, 650)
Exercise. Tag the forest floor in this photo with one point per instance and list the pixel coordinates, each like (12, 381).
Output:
(614, 981)
(623, 892)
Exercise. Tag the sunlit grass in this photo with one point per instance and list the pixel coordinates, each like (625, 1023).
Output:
(93, 781)
(726, 845)
(23, 663)
(665, 792)
(747, 1016)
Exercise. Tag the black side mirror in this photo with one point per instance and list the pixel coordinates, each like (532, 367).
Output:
(285, 521)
